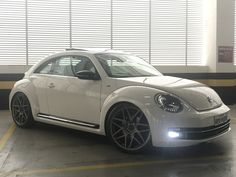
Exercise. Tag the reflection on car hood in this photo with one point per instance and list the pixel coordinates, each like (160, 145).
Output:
(196, 94)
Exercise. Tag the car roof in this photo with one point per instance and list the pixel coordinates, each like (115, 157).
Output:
(79, 51)
(94, 50)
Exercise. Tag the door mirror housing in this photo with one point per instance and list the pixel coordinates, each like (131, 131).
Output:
(87, 75)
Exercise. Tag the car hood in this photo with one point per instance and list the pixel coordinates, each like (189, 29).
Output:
(198, 95)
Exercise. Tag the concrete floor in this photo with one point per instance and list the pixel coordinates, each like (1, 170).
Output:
(58, 152)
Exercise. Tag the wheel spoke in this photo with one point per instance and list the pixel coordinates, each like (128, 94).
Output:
(117, 119)
(20, 118)
(123, 114)
(23, 102)
(138, 119)
(140, 136)
(19, 101)
(25, 115)
(125, 141)
(129, 116)
(117, 125)
(131, 141)
(16, 108)
(137, 140)
(135, 115)
(16, 111)
(118, 131)
(119, 137)
(17, 117)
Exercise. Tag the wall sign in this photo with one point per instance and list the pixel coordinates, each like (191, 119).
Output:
(225, 54)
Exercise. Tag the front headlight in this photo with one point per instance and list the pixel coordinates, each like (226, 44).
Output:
(169, 103)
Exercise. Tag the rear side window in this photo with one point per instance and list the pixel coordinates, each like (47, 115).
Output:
(44, 68)
(66, 66)
(62, 66)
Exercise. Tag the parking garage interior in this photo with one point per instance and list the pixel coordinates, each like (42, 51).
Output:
(184, 38)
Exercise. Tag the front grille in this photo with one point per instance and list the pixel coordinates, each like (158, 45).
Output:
(203, 133)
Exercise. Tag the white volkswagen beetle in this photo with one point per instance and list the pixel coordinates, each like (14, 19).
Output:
(121, 96)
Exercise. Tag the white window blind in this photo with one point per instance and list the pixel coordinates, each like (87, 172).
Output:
(12, 32)
(48, 28)
(177, 32)
(131, 27)
(235, 34)
(91, 21)
(168, 32)
(195, 32)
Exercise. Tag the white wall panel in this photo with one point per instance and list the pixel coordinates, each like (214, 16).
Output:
(12, 32)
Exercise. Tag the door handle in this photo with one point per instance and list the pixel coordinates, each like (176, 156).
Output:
(51, 85)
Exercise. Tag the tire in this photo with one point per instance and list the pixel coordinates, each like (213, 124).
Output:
(128, 128)
(21, 111)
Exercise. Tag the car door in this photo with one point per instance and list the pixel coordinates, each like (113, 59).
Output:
(69, 97)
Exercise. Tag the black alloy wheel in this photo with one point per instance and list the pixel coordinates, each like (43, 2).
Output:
(128, 128)
(21, 110)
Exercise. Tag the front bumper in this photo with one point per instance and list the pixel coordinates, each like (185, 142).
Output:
(201, 133)
(192, 127)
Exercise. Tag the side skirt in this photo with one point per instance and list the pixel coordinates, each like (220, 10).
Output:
(68, 121)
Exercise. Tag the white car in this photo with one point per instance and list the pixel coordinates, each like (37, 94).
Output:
(121, 96)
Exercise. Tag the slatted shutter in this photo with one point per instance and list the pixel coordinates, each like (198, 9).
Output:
(91, 21)
(196, 44)
(48, 28)
(165, 32)
(131, 27)
(168, 32)
(12, 32)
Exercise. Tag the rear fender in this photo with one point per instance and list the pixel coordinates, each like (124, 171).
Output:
(26, 87)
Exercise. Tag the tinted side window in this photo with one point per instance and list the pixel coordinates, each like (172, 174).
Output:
(62, 66)
(80, 63)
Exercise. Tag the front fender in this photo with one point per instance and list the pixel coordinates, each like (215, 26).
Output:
(140, 96)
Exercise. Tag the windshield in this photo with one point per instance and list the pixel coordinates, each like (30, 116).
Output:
(124, 65)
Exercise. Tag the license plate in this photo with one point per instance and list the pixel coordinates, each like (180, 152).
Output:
(220, 119)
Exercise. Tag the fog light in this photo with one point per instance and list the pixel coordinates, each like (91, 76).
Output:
(173, 134)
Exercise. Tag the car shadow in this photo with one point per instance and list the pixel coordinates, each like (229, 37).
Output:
(203, 150)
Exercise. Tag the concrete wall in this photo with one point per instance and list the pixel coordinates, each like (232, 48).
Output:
(225, 30)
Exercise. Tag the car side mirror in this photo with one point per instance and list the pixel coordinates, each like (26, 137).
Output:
(87, 75)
